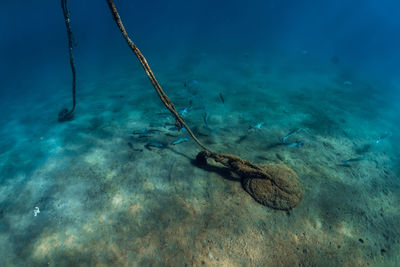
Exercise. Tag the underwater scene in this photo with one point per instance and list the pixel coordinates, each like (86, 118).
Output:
(200, 133)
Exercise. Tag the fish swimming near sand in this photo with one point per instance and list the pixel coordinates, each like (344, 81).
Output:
(163, 113)
(345, 163)
(298, 144)
(144, 135)
(256, 127)
(205, 120)
(133, 148)
(222, 98)
(184, 111)
(154, 144)
(145, 132)
(381, 138)
(141, 131)
(174, 128)
(190, 83)
(347, 83)
(180, 140)
(206, 125)
(353, 160)
(291, 133)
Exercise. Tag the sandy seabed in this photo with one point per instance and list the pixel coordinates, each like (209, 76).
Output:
(108, 197)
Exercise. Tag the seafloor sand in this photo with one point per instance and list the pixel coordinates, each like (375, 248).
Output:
(107, 199)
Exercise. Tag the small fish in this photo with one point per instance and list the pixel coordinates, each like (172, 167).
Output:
(190, 83)
(335, 60)
(154, 144)
(206, 125)
(184, 111)
(141, 131)
(222, 98)
(205, 120)
(173, 128)
(298, 144)
(153, 130)
(382, 137)
(155, 125)
(180, 140)
(145, 132)
(257, 126)
(130, 145)
(291, 133)
(134, 149)
(353, 160)
(347, 83)
(144, 135)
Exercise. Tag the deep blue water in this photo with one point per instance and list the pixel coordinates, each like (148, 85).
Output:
(364, 34)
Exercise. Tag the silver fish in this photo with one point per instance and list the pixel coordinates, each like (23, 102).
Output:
(298, 144)
(184, 111)
(154, 144)
(141, 131)
(222, 98)
(205, 120)
(180, 140)
(353, 160)
(295, 131)
(254, 127)
(382, 137)
(144, 135)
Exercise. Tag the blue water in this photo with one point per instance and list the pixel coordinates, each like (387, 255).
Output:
(110, 197)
